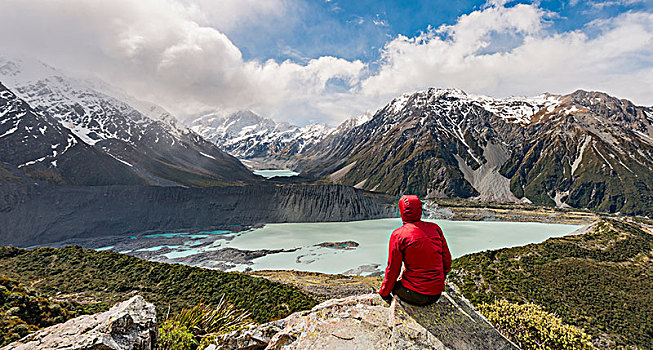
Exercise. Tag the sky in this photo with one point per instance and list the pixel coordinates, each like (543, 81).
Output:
(306, 61)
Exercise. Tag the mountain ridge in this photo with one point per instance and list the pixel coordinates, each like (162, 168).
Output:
(445, 143)
(248, 136)
(153, 144)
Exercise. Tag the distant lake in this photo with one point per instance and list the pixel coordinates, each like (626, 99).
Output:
(275, 173)
(370, 256)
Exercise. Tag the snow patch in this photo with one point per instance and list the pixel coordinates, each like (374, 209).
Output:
(31, 162)
(558, 199)
(601, 155)
(10, 131)
(399, 103)
(579, 158)
(120, 160)
(207, 155)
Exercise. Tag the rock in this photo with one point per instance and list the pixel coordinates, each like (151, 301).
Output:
(255, 337)
(346, 245)
(365, 270)
(130, 325)
(368, 322)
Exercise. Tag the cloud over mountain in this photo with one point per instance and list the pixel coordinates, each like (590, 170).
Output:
(176, 53)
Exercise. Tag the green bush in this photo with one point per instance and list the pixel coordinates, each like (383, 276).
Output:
(23, 311)
(173, 336)
(198, 326)
(599, 281)
(106, 277)
(530, 327)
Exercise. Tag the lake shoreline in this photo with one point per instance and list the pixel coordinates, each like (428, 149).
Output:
(508, 212)
(352, 248)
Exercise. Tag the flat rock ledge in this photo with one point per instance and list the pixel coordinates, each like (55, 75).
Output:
(368, 322)
(130, 325)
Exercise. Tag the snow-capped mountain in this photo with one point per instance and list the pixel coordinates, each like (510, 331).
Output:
(247, 135)
(585, 150)
(34, 145)
(141, 135)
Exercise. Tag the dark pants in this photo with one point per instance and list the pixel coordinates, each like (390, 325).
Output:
(412, 297)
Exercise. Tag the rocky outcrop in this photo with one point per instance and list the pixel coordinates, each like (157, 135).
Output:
(130, 325)
(32, 215)
(368, 322)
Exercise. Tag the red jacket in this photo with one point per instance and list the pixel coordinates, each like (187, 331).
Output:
(422, 249)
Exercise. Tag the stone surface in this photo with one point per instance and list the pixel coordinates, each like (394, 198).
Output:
(368, 322)
(130, 325)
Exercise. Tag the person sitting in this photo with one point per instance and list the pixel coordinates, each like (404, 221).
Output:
(422, 249)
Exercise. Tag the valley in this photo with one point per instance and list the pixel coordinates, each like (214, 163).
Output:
(534, 194)
(584, 150)
(350, 248)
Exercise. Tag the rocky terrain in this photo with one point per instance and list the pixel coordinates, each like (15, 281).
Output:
(582, 150)
(126, 326)
(35, 214)
(355, 322)
(286, 313)
(467, 210)
(368, 322)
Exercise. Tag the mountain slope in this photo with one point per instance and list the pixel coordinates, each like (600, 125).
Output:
(34, 145)
(600, 156)
(159, 150)
(599, 280)
(247, 135)
(586, 150)
(77, 273)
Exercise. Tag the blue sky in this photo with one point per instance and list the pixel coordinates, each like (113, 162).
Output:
(306, 61)
(359, 29)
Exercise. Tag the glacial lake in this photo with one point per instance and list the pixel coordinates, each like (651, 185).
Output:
(368, 257)
(268, 174)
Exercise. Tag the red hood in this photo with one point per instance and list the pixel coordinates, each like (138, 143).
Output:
(410, 208)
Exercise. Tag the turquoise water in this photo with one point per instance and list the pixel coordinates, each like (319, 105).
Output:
(463, 237)
(159, 247)
(176, 234)
(275, 173)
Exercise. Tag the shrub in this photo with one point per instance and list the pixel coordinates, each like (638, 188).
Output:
(104, 277)
(173, 336)
(200, 324)
(530, 327)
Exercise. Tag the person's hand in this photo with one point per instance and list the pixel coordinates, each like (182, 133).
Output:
(387, 298)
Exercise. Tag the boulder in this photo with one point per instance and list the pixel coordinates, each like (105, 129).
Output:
(369, 322)
(130, 325)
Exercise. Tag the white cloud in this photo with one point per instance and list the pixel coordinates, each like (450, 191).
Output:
(175, 53)
(228, 14)
(617, 60)
(158, 51)
(603, 4)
